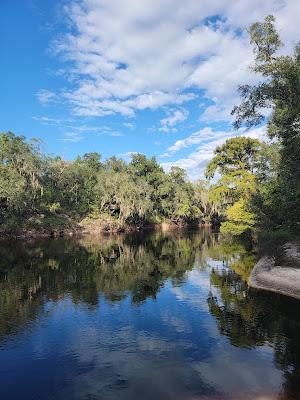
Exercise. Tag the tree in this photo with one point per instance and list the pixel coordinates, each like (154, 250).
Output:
(236, 154)
(21, 170)
(210, 205)
(120, 196)
(280, 92)
(235, 162)
(115, 164)
(70, 186)
(240, 218)
(50, 192)
(148, 168)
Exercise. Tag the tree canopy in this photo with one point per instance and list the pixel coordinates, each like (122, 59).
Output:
(43, 190)
(279, 91)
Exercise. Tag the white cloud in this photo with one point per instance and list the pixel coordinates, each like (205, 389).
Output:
(73, 137)
(203, 135)
(173, 118)
(47, 120)
(46, 96)
(155, 52)
(207, 140)
(76, 129)
(129, 125)
(117, 134)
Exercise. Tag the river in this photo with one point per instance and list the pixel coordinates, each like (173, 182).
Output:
(153, 317)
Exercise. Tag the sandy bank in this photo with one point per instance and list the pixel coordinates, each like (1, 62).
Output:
(283, 278)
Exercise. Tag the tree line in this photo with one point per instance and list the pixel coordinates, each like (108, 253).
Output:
(249, 185)
(37, 189)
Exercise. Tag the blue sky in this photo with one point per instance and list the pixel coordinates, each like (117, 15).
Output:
(122, 76)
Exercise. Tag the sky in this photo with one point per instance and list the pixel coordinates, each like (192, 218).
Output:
(157, 77)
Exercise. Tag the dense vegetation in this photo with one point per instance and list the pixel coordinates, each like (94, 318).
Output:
(249, 186)
(277, 198)
(36, 190)
(259, 185)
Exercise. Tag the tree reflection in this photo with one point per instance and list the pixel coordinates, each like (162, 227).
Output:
(135, 268)
(250, 319)
(32, 273)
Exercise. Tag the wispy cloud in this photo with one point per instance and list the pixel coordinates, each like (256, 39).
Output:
(73, 137)
(46, 96)
(173, 118)
(129, 125)
(117, 134)
(76, 128)
(201, 136)
(157, 53)
(183, 58)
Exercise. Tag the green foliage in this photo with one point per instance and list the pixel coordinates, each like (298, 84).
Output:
(265, 39)
(21, 170)
(235, 161)
(279, 194)
(238, 153)
(239, 219)
(123, 196)
(40, 191)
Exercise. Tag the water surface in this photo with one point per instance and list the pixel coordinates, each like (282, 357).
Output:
(134, 317)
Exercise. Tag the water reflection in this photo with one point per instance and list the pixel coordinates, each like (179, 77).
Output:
(155, 317)
(252, 319)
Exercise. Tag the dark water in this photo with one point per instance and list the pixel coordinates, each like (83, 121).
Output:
(156, 317)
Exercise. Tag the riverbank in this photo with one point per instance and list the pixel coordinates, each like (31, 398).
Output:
(64, 227)
(279, 274)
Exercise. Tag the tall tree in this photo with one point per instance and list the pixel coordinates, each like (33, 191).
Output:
(21, 170)
(235, 162)
(278, 91)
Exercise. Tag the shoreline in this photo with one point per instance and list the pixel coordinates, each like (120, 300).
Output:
(283, 278)
(96, 229)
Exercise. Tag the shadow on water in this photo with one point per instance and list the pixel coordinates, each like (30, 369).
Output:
(252, 318)
(120, 318)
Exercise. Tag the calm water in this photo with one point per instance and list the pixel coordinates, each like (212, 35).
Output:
(156, 317)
